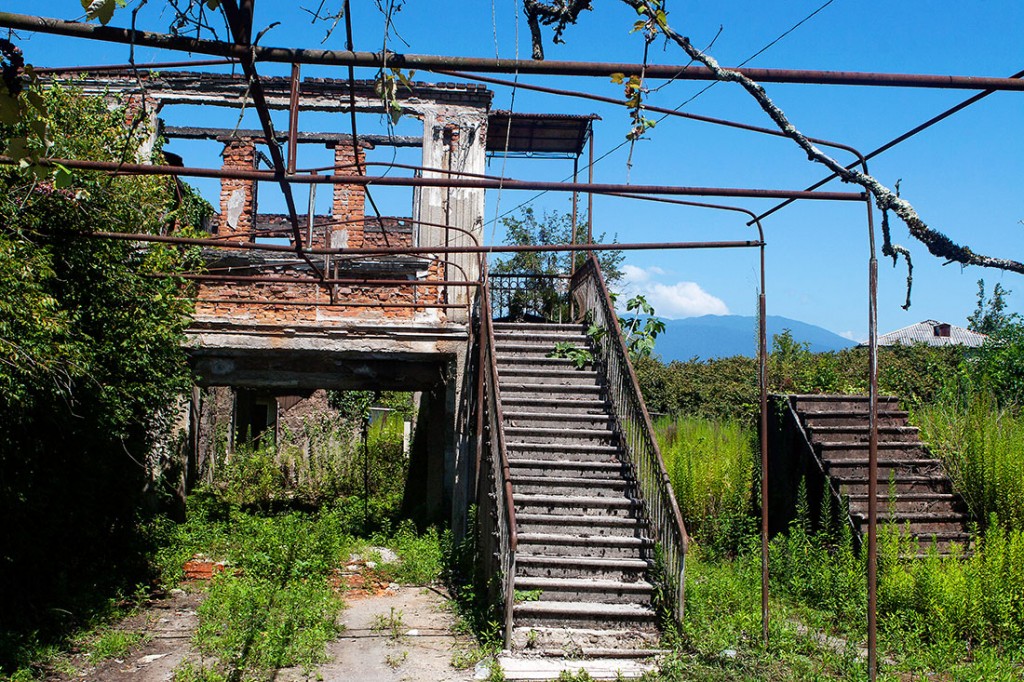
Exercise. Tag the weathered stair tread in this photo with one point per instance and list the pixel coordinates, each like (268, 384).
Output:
(568, 481)
(577, 520)
(563, 447)
(523, 462)
(582, 562)
(575, 540)
(545, 431)
(576, 609)
(542, 584)
(899, 517)
(566, 501)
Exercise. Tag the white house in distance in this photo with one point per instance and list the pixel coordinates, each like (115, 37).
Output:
(932, 333)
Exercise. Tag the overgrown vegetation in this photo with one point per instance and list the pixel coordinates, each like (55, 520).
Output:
(90, 366)
(711, 465)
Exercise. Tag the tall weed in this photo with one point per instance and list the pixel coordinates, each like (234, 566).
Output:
(982, 447)
(711, 465)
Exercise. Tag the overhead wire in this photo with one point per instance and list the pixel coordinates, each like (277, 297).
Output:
(707, 87)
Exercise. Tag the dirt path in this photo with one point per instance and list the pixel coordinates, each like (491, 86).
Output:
(168, 624)
(398, 633)
(403, 633)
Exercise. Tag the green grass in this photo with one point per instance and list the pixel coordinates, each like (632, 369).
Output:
(982, 447)
(711, 465)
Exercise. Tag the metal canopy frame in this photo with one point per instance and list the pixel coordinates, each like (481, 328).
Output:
(522, 138)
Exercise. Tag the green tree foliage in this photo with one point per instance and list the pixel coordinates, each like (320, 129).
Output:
(90, 362)
(549, 229)
(990, 317)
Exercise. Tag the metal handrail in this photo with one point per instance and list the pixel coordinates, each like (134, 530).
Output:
(508, 534)
(641, 449)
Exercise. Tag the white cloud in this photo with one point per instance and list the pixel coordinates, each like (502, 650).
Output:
(853, 336)
(680, 299)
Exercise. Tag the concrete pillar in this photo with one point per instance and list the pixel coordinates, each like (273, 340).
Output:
(454, 139)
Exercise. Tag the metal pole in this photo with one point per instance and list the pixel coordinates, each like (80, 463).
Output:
(473, 183)
(762, 371)
(293, 119)
(377, 60)
(590, 195)
(872, 452)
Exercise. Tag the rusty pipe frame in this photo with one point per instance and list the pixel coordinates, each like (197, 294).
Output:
(378, 60)
(409, 250)
(141, 68)
(340, 281)
(533, 185)
(332, 222)
(647, 107)
(899, 139)
(239, 17)
(322, 304)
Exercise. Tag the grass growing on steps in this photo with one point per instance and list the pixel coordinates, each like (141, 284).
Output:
(982, 447)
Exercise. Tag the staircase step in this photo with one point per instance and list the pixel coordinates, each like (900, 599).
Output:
(555, 485)
(592, 546)
(539, 361)
(564, 419)
(903, 483)
(585, 590)
(623, 570)
(569, 451)
(861, 433)
(848, 403)
(568, 436)
(568, 376)
(568, 391)
(813, 418)
(848, 468)
(577, 406)
(582, 643)
(833, 451)
(907, 502)
(565, 505)
(583, 525)
(536, 336)
(529, 327)
(582, 614)
(563, 468)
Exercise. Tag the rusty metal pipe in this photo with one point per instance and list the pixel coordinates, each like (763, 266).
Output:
(341, 281)
(533, 185)
(376, 251)
(134, 67)
(436, 63)
(293, 119)
(323, 304)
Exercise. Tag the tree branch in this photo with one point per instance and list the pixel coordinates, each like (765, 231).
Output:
(938, 244)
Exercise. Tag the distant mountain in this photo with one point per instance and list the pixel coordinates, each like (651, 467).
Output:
(722, 336)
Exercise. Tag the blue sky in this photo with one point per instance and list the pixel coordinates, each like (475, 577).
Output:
(964, 175)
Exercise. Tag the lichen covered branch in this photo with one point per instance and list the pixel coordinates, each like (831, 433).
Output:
(564, 12)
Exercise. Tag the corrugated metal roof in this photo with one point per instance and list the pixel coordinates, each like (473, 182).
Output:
(932, 333)
(537, 133)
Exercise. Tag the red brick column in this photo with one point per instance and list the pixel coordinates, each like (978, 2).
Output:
(349, 200)
(238, 197)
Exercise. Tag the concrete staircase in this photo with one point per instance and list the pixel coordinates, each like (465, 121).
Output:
(923, 499)
(584, 552)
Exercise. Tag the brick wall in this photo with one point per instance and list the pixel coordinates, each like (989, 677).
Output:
(349, 205)
(237, 197)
